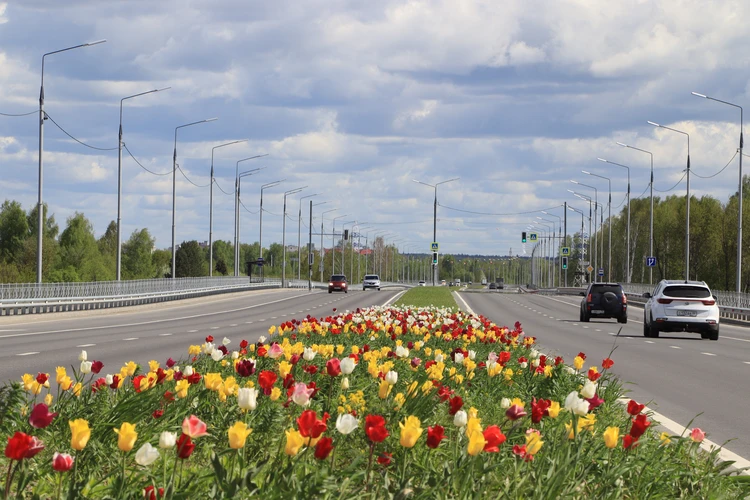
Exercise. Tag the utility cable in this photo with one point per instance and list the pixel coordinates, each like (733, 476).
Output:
(12, 115)
(643, 193)
(140, 165)
(218, 186)
(78, 141)
(720, 171)
(186, 177)
(247, 209)
(670, 189)
(498, 215)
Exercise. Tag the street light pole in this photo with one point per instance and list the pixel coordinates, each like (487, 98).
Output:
(299, 236)
(627, 258)
(559, 244)
(434, 219)
(651, 218)
(333, 243)
(237, 208)
(687, 202)
(211, 208)
(119, 180)
(322, 252)
(260, 229)
(740, 193)
(283, 236)
(597, 242)
(40, 207)
(609, 217)
(583, 246)
(174, 190)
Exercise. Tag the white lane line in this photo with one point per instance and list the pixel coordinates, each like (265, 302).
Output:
(394, 298)
(165, 334)
(597, 330)
(708, 354)
(586, 327)
(468, 309)
(746, 362)
(214, 328)
(11, 330)
(551, 317)
(235, 324)
(131, 338)
(611, 333)
(262, 319)
(27, 353)
(649, 341)
(706, 444)
(675, 347)
(192, 331)
(86, 345)
(248, 322)
(274, 317)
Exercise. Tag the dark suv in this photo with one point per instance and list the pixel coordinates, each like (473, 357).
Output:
(604, 300)
(337, 283)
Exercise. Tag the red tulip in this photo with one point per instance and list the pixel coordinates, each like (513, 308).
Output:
(634, 408)
(150, 494)
(245, 368)
(96, 366)
(595, 402)
(323, 448)
(333, 367)
(158, 413)
(40, 416)
(309, 425)
(41, 378)
(494, 437)
(170, 363)
(243, 344)
(515, 412)
(194, 378)
(640, 424)
(629, 441)
(375, 428)
(185, 446)
(18, 445)
(266, 379)
(62, 462)
(539, 409)
(434, 436)
(456, 403)
(593, 375)
(607, 363)
(210, 338)
(194, 427)
(115, 382)
(504, 357)
(385, 458)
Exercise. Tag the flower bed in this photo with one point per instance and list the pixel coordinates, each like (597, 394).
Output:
(377, 402)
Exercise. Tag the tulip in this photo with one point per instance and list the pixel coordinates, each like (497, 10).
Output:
(80, 433)
(301, 394)
(146, 455)
(435, 435)
(375, 428)
(309, 425)
(62, 462)
(505, 403)
(611, 435)
(238, 433)
(83, 356)
(185, 446)
(294, 442)
(589, 389)
(411, 429)
(187, 371)
(476, 443)
(391, 377)
(40, 416)
(86, 367)
(127, 436)
(458, 358)
(472, 355)
(308, 354)
(385, 389)
(402, 352)
(18, 446)
(194, 427)
(346, 423)
(494, 437)
(167, 440)
(533, 442)
(439, 358)
(323, 448)
(697, 435)
(347, 366)
(640, 424)
(345, 383)
(216, 355)
(181, 388)
(515, 412)
(276, 351)
(333, 367)
(226, 341)
(247, 398)
(460, 419)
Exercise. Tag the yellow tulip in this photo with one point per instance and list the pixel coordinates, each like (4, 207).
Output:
(664, 438)
(194, 350)
(473, 426)
(399, 400)
(578, 362)
(294, 442)
(65, 383)
(384, 390)
(238, 433)
(80, 433)
(153, 365)
(48, 399)
(554, 409)
(127, 436)
(77, 389)
(533, 442)
(275, 394)
(284, 369)
(181, 388)
(476, 443)
(212, 381)
(60, 374)
(411, 429)
(611, 435)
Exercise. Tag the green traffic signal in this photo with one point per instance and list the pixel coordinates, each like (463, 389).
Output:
(434, 257)
(564, 262)
(523, 237)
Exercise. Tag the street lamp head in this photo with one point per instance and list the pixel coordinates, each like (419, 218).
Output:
(89, 44)
(574, 182)
(653, 123)
(699, 95)
(622, 144)
(209, 120)
(586, 172)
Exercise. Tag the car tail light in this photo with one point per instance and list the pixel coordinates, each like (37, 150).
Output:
(589, 299)
(664, 301)
(624, 299)
(708, 302)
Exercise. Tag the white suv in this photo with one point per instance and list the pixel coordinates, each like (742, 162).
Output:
(371, 281)
(677, 306)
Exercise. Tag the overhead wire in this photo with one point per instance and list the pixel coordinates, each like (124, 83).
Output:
(13, 115)
(77, 140)
(188, 179)
(247, 209)
(140, 165)
(497, 215)
(218, 186)
(720, 171)
(673, 187)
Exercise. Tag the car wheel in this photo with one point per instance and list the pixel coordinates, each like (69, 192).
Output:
(346, 291)
(580, 316)
(330, 291)
(714, 335)
(586, 318)
(653, 331)
(378, 289)
(623, 319)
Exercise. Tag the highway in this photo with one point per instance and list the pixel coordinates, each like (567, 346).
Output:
(678, 375)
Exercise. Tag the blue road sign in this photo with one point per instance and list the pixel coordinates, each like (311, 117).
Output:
(565, 251)
(601, 271)
(434, 246)
(650, 261)
(532, 237)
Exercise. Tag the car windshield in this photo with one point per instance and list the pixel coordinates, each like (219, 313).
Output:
(616, 289)
(338, 277)
(688, 292)
(371, 277)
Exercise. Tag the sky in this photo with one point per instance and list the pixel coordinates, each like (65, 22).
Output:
(354, 100)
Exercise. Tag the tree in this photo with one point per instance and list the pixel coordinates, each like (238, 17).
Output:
(190, 260)
(108, 242)
(223, 254)
(77, 243)
(136, 256)
(14, 229)
(162, 262)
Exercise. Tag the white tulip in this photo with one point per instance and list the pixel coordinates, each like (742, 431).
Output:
(208, 348)
(535, 363)
(187, 371)
(347, 366)
(439, 358)
(505, 403)
(533, 354)
(146, 455)
(589, 389)
(226, 341)
(459, 358)
(109, 379)
(262, 339)
(345, 383)
(247, 398)
(167, 440)
(308, 354)
(569, 370)
(402, 352)
(235, 355)
(83, 356)
(576, 405)
(216, 355)
(524, 365)
(85, 367)
(346, 423)
(460, 418)
(391, 377)
(472, 355)
(175, 369)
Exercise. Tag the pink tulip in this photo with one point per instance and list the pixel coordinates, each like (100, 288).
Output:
(697, 435)
(515, 412)
(276, 351)
(301, 394)
(194, 427)
(62, 462)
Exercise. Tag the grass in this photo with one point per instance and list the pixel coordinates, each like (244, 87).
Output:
(424, 296)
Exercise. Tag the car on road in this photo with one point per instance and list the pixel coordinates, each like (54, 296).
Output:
(422, 283)
(604, 300)
(492, 286)
(371, 281)
(337, 283)
(681, 306)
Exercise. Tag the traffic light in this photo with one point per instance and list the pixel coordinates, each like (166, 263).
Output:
(346, 234)
(564, 262)
(523, 237)
(434, 258)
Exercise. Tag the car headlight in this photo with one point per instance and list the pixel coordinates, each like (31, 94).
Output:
(330, 284)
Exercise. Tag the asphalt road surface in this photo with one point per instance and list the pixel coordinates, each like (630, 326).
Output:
(678, 375)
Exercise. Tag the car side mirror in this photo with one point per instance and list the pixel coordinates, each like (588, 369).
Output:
(582, 294)
(647, 295)
(715, 297)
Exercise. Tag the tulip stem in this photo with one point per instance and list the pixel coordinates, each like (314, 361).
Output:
(122, 477)
(369, 466)
(59, 486)
(7, 480)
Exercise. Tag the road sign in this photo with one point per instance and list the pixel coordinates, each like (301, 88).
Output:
(589, 269)
(434, 246)
(650, 261)
(311, 258)
(565, 251)
(601, 271)
(532, 236)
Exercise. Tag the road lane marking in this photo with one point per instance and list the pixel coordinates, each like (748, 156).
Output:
(649, 341)
(706, 444)
(86, 345)
(131, 338)
(248, 322)
(27, 353)
(235, 324)
(468, 309)
(708, 354)
(597, 330)
(746, 362)
(164, 334)
(675, 347)
(215, 328)
(192, 331)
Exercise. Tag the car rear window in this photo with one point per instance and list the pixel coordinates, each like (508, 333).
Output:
(338, 277)
(688, 292)
(371, 277)
(616, 289)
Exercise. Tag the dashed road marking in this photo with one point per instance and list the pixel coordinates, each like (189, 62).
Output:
(735, 338)
(131, 338)
(214, 328)
(27, 353)
(192, 331)
(234, 324)
(649, 341)
(597, 330)
(165, 334)
(708, 354)
(86, 345)
(248, 322)
(675, 347)
(746, 362)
